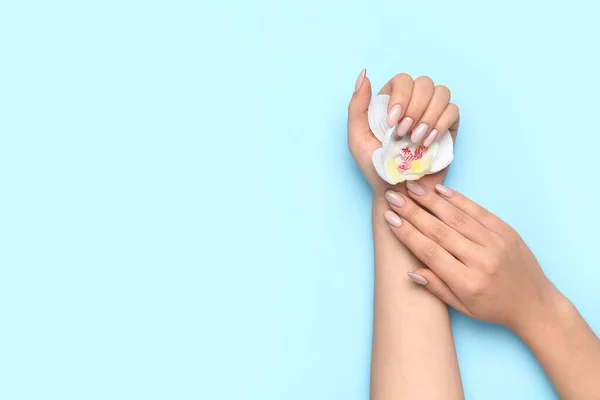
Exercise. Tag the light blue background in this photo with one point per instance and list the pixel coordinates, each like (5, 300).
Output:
(180, 217)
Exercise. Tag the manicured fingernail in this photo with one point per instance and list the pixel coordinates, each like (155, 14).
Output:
(392, 218)
(394, 115)
(430, 138)
(444, 191)
(404, 126)
(360, 80)
(394, 198)
(419, 132)
(415, 188)
(417, 279)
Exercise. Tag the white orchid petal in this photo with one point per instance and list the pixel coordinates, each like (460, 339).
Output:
(445, 153)
(441, 153)
(389, 135)
(377, 115)
(379, 164)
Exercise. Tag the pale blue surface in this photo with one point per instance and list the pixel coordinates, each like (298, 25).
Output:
(157, 243)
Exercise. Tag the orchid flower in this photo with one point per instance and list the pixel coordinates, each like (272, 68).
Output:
(398, 159)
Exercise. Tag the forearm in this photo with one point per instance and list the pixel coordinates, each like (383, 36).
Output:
(566, 347)
(413, 352)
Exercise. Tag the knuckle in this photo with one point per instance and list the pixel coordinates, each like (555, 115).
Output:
(452, 108)
(403, 77)
(412, 212)
(443, 90)
(461, 202)
(416, 108)
(458, 219)
(424, 80)
(429, 252)
(437, 292)
(439, 233)
(491, 262)
(501, 245)
(482, 212)
(477, 287)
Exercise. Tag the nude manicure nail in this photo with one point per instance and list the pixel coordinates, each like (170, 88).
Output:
(430, 138)
(417, 279)
(415, 188)
(394, 198)
(392, 218)
(394, 115)
(419, 132)
(444, 191)
(404, 126)
(360, 80)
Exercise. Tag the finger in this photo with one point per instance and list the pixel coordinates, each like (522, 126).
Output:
(425, 132)
(448, 213)
(472, 209)
(430, 253)
(427, 278)
(419, 100)
(452, 241)
(399, 88)
(358, 122)
(448, 121)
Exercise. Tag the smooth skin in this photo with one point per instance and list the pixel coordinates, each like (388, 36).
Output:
(481, 267)
(412, 339)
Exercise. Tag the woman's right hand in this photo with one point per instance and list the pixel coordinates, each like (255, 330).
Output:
(477, 263)
(480, 266)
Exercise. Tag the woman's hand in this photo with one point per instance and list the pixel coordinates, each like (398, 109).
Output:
(403, 364)
(477, 263)
(417, 107)
(480, 266)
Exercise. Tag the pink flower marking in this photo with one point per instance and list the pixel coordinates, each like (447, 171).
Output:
(405, 166)
(410, 157)
(419, 152)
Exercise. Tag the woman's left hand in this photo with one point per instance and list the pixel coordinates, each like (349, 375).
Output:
(418, 104)
(477, 263)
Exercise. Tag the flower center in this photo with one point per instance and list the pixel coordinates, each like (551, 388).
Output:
(407, 158)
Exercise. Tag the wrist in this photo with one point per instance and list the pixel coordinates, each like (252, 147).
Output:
(379, 195)
(551, 309)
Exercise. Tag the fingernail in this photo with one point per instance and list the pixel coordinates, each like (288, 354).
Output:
(404, 126)
(394, 115)
(394, 198)
(415, 188)
(444, 191)
(360, 80)
(417, 279)
(419, 133)
(430, 138)
(392, 218)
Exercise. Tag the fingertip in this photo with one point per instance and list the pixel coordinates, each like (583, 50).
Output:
(415, 189)
(360, 80)
(361, 97)
(431, 138)
(363, 84)
(418, 279)
(444, 191)
(392, 218)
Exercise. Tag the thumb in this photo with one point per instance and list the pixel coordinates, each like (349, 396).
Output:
(437, 287)
(358, 121)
